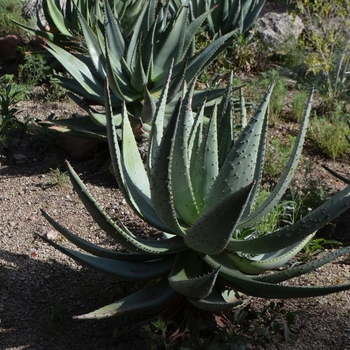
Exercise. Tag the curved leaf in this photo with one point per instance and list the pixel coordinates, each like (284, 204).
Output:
(151, 298)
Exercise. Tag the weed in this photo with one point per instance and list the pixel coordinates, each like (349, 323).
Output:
(33, 70)
(11, 10)
(326, 41)
(316, 246)
(52, 315)
(243, 328)
(247, 54)
(57, 178)
(298, 105)
(330, 136)
(277, 101)
(155, 334)
(272, 320)
(8, 120)
(281, 215)
(307, 191)
(56, 91)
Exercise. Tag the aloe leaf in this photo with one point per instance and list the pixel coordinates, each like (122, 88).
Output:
(136, 35)
(77, 69)
(114, 33)
(133, 175)
(147, 51)
(287, 175)
(108, 253)
(61, 22)
(217, 302)
(78, 133)
(243, 109)
(124, 270)
(177, 82)
(191, 31)
(211, 233)
(151, 298)
(162, 198)
(122, 80)
(206, 165)
(197, 155)
(81, 124)
(93, 45)
(233, 17)
(203, 58)
(249, 286)
(293, 233)
(259, 167)
(261, 263)
(119, 232)
(302, 269)
(173, 43)
(74, 86)
(52, 38)
(158, 125)
(252, 15)
(181, 187)
(211, 161)
(240, 165)
(93, 248)
(148, 108)
(100, 119)
(129, 169)
(119, 82)
(139, 78)
(338, 176)
(226, 131)
(188, 276)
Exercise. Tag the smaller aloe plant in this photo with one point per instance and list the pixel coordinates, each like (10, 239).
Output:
(62, 27)
(199, 188)
(135, 61)
(228, 14)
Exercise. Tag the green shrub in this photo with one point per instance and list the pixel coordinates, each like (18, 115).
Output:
(327, 44)
(11, 10)
(298, 103)
(330, 136)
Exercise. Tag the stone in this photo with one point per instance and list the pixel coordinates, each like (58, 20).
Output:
(9, 46)
(276, 25)
(20, 158)
(76, 147)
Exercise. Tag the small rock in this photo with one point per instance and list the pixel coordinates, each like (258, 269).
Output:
(77, 147)
(9, 45)
(53, 235)
(275, 25)
(20, 158)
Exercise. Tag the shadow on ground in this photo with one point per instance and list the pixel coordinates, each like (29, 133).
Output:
(41, 316)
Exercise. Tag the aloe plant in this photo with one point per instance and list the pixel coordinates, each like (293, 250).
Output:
(136, 63)
(228, 15)
(62, 27)
(198, 188)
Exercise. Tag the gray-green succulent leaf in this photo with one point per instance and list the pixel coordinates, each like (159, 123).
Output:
(151, 298)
